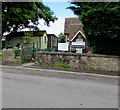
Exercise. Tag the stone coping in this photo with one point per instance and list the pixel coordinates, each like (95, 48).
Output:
(78, 54)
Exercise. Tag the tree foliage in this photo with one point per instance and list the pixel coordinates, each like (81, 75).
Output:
(18, 15)
(101, 22)
(61, 38)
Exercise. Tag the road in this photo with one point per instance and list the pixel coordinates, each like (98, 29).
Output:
(23, 88)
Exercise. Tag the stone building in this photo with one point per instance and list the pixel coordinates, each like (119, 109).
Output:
(74, 35)
(71, 27)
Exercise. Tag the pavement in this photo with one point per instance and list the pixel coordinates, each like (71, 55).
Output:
(90, 73)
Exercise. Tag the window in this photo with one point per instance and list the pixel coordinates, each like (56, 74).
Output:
(53, 41)
(79, 40)
(45, 39)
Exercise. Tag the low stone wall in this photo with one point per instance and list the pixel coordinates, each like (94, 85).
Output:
(24, 56)
(9, 56)
(81, 61)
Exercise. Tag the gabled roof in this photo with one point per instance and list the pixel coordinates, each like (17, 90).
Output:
(72, 26)
(77, 34)
(70, 23)
(22, 33)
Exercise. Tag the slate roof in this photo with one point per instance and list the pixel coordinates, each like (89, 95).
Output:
(72, 26)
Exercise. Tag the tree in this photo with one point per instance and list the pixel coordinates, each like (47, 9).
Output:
(61, 38)
(18, 15)
(101, 23)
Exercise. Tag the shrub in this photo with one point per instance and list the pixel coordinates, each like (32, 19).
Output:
(18, 52)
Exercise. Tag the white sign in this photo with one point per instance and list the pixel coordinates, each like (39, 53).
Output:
(63, 46)
(78, 43)
(78, 46)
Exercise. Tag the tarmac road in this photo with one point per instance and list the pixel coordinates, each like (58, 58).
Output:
(24, 88)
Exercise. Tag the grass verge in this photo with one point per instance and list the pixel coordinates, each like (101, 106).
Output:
(60, 65)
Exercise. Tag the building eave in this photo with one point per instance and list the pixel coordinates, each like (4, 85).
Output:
(77, 34)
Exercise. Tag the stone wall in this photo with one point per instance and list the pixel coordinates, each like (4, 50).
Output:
(81, 61)
(9, 55)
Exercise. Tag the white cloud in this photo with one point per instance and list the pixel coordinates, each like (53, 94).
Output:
(55, 28)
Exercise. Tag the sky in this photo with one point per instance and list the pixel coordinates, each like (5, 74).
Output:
(59, 8)
(60, 11)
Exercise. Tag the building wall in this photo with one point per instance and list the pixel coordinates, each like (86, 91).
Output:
(43, 43)
(16, 40)
(36, 41)
(13, 42)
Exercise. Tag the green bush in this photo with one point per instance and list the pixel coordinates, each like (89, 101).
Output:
(0, 52)
(17, 52)
(25, 60)
(0, 55)
(62, 65)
